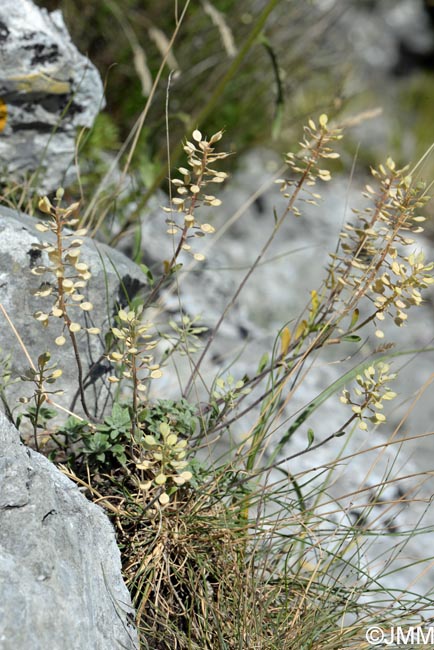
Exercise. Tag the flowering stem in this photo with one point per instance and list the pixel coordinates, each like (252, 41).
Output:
(65, 316)
(298, 187)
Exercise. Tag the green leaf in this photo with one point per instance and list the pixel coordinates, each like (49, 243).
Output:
(176, 268)
(263, 362)
(43, 359)
(310, 437)
(352, 338)
(73, 425)
(119, 452)
(276, 218)
(116, 433)
(119, 418)
(147, 271)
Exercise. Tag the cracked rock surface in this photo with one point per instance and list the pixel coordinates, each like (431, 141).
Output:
(47, 90)
(60, 572)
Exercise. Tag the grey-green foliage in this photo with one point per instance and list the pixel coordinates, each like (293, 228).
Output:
(105, 445)
(101, 445)
(180, 415)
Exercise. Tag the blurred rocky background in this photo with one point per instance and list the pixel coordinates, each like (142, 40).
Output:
(336, 56)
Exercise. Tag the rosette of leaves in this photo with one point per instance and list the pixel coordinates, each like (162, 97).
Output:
(180, 414)
(102, 446)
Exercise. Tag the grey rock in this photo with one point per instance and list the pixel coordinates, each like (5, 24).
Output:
(60, 573)
(114, 277)
(48, 90)
(372, 34)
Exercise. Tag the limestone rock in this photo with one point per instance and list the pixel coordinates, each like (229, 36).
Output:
(114, 278)
(47, 90)
(60, 574)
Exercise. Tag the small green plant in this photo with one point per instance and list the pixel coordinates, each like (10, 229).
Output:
(180, 415)
(154, 460)
(100, 446)
(40, 376)
(249, 549)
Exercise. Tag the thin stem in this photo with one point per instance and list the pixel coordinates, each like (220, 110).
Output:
(336, 434)
(190, 212)
(80, 375)
(261, 254)
(38, 403)
(198, 120)
(135, 401)
(62, 306)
